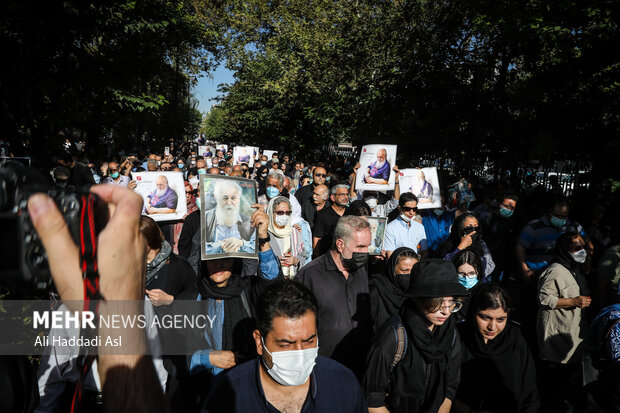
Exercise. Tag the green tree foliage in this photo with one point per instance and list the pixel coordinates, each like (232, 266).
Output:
(512, 80)
(119, 69)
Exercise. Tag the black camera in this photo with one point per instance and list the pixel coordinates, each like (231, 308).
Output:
(23, 260)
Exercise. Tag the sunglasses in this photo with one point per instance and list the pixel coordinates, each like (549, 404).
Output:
(471, 229)
(283, 212)
(407, 209)
(320, 175)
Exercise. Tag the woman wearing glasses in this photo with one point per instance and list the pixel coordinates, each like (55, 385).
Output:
(497, 368)
(466, 234)
(414, 360)
(470, 274)
(286, 240)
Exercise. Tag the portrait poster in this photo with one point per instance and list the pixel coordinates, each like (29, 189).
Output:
(375, 172)
(225, 227)
(243, 154)
(377, 232)
(163, 194)
(205, 151)
(269, 153)
(256, 153)
(222, 147)
(423, 183)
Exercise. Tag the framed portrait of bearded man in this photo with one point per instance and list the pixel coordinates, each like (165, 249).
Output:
(163, 193)
(225, 220)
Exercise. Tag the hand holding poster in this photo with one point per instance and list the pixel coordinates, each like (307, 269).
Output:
(243, 154)
(377, 232)
(225, 221)
(163, 194)
(424, 184)
(375, 173)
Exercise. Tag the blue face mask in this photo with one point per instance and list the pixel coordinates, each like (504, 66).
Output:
(557, 222)
(202, 171)
(115, 175)
(263, 163)
(505, 212)
(327, 178)
(180, 165)
(272, 192)
(468, 282)
(438, 211)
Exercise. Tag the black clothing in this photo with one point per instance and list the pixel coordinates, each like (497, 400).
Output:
(308, 208)
(18, 385)
(501, 237)
(386, 291)
(332, 389)
(344, 310)
(174, 278)
(428, 373)
(81, 175)
(499, 376)
(324, 226)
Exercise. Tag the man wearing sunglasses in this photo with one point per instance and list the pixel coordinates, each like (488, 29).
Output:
(405, 231)
(304, 195)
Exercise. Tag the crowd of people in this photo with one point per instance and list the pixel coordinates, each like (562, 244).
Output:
(505, 304)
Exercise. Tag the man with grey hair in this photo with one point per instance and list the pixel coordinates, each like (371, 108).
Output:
(273, 188)
(325, 223)
(226, 229)
(152, 165)
(339, 281)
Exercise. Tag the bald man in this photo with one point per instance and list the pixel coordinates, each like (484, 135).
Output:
(163, 200)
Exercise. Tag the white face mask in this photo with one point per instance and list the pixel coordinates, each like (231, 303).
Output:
(282, 220)
(372, 202)
(292, 368)
(580, 256)
(405, 218)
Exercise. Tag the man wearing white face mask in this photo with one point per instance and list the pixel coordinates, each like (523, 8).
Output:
(405, 231)
(288, 375)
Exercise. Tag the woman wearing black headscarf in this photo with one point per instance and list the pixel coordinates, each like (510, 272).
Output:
(563, 294)
(228, 298)
(387, 290)
(414, 361)
(497, 368)
(261, 178)
(466, 234)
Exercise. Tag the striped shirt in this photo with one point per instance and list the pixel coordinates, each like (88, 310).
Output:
(538, 238)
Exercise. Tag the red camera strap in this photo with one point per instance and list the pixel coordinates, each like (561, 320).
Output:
(92, 295)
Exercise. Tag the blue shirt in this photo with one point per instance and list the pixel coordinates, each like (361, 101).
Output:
(538, 238)
(333, 388)
(400, 234)
(437, 228)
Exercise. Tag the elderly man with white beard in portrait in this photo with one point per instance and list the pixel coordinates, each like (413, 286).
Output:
(226, 230)
(163, 200)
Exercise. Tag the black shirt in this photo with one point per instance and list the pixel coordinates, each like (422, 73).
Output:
(324, 226)
(344, 310)
(332, 389)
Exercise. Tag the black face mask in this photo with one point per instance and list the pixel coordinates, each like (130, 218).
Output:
(358, 260)
(402, 281)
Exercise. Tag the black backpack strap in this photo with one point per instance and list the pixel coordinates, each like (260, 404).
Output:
(402, 340)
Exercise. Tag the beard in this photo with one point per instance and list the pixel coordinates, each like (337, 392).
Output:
(226, 215)
(379, 165)
(160, 192)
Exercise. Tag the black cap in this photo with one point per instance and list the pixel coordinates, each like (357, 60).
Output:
(434, 277)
